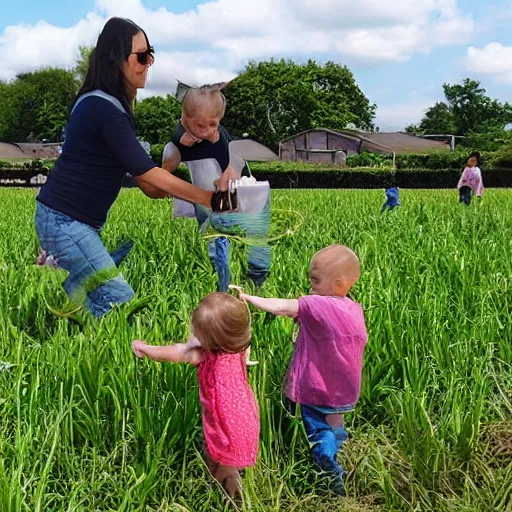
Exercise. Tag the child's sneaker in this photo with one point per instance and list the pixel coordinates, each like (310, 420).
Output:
(337, 486)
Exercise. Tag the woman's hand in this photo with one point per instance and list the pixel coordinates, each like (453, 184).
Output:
(224, 201)
(230, 174)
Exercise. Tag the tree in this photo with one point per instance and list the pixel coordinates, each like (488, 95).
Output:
(36, 104)
(4, 109)
(82, 63)
(272, 100)
(438, 119)
(467, 110)
(156, 118)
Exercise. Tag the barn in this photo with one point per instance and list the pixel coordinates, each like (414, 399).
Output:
(321, 145)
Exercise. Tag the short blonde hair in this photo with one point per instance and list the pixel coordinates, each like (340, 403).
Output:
(222, 323)
(197, 97)
(340, 262)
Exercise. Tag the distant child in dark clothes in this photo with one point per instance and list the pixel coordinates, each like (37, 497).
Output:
(392, 199)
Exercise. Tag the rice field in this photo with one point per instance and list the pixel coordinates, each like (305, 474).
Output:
(84, 426)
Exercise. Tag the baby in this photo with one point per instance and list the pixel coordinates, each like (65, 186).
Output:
(325, 372)
(202, 143)
(200, 136)
(221, 336)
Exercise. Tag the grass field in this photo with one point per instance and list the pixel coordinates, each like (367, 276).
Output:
(86, 426)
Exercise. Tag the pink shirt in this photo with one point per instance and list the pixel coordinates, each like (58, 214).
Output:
(472, 178)
(327, 363)
(231, 420)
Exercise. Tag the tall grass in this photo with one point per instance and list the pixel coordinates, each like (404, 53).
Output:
(85, 426)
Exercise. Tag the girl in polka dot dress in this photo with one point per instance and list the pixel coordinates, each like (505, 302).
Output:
(221, 335)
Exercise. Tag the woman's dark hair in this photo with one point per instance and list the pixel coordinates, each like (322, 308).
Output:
(105, 63)
(476, 155)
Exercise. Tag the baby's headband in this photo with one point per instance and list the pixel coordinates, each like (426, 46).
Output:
(182, 89)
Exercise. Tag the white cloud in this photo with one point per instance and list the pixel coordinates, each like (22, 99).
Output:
(494, 60)
(162, 78)
(397, 117)
(215, 40)
(370, 13)
(24, 47)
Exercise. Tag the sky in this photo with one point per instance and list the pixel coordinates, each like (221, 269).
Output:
(400, 51)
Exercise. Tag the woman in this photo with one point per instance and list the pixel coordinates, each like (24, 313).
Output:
(100, 148)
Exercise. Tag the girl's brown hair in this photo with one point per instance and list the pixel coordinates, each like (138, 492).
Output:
(222, 323)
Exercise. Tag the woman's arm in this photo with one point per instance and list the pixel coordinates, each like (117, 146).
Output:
(150, 190)
(228, 175)
(164, 184)
(154, 181)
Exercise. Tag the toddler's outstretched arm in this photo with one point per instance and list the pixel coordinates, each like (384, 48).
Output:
(279, 307)
(189, 352)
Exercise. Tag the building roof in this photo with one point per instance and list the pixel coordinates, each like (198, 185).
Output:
(251, 150)
(385, 141)
(405, 142)
(10, 151)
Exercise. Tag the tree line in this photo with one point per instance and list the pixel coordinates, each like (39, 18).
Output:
(268, 101)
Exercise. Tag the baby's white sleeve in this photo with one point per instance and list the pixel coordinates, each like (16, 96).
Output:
(170, 151)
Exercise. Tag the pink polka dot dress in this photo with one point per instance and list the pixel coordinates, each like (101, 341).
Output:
(231, 420)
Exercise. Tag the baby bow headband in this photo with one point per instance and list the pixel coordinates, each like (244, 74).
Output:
(182, 89)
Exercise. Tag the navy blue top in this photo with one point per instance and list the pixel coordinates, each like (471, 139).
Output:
(205, 149)
(100, 148)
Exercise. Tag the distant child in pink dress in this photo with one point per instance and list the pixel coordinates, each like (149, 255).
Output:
(325, 372)
(471, 180)
(221, 335)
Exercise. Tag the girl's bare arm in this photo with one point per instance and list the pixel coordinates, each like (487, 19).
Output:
(189, 352)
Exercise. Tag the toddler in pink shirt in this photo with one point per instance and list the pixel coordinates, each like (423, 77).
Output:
(221, 336)
(324, 375)
(471, 180)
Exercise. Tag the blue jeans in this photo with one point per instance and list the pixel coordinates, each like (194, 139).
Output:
(465, 195)
(325, 441)
(258, 256)
(78, 249)
(218, 252)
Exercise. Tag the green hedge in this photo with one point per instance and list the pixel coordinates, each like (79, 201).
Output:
(435, 160)
(372, 178)
(501, 159)
(308, 167)
(156, 153)
(32, 165)
(340, 178)
(455, 160)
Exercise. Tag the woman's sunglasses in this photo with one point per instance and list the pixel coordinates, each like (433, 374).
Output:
(146, 56)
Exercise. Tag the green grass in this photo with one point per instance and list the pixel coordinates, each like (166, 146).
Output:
(84, 426)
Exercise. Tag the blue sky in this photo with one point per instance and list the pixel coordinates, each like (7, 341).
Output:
(401, 51)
